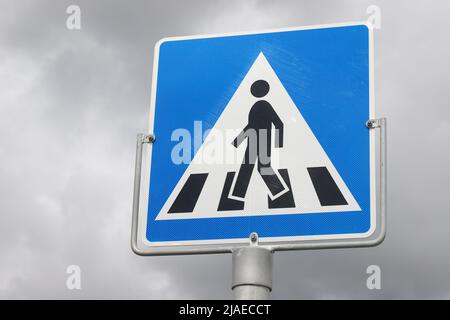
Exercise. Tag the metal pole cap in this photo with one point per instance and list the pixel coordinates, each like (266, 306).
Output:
(252, 266)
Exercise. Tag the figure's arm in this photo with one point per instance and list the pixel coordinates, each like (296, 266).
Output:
(240, 138)
(279, 130)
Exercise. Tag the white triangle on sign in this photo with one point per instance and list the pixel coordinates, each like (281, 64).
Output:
(301, 150)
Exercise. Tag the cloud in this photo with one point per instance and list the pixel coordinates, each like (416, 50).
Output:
(72, 102)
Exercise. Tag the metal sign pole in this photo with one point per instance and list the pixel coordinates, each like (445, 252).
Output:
(252, 271)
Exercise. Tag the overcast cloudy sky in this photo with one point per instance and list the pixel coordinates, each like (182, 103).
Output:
(71, 103)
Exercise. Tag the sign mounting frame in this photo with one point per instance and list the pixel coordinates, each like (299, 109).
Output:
(144, 147)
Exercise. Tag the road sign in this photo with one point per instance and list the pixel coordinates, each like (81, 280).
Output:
(261, 132)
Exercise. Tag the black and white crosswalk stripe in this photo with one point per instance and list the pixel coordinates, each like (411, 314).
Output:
(325, 187)
(188, 196)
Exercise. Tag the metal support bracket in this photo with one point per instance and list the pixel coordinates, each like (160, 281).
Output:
(254, 239)
(374, 123)
(379, 123)
(140, 140)
(149, 138)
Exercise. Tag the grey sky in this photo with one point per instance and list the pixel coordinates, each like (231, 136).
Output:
(71, 103)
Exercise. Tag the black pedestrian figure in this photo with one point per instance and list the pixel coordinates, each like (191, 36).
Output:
(258, 133)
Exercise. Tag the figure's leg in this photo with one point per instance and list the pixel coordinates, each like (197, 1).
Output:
(272, 181)
(244, 175)
(286, 200)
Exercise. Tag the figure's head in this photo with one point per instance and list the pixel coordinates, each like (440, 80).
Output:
(260, 88)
